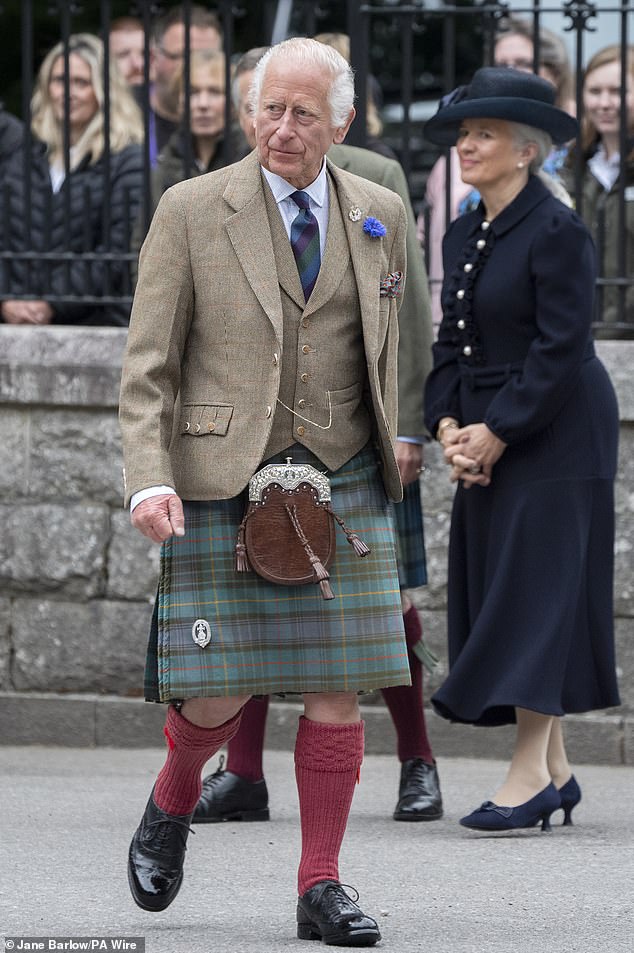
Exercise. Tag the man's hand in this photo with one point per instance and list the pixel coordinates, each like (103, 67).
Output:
(409, 457)
(160, 517)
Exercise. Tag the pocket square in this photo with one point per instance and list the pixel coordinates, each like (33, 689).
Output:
(391, 285)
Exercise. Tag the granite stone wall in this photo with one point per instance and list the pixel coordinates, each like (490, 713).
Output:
(77, 583)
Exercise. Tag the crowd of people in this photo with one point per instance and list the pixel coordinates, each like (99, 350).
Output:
(281, 335)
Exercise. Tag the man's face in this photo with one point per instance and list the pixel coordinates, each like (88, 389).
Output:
(167, 58)
(293, 127)
(126, 47)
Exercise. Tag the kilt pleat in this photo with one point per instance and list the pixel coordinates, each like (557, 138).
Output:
(270, 638)
(410, 538)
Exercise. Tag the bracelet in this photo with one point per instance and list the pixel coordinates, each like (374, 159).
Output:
(448, 425)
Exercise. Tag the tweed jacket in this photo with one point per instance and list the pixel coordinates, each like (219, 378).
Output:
(206, 331)
(416, 334)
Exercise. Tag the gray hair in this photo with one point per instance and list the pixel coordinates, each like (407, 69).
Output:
(301, 51)
(528, 135)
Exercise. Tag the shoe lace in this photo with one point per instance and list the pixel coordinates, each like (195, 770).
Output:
(213, 779)
(166, 828)
(333, 892)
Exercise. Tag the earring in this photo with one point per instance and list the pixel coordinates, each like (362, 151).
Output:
(520, 165)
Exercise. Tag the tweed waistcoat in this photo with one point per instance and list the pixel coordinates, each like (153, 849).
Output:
(325, 387)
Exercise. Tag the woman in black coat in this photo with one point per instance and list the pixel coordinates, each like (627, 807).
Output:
(88, 207)
(528, 419)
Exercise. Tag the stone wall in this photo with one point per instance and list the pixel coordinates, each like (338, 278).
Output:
(77, 583)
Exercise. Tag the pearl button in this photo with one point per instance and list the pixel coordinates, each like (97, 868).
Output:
(460, 294)
(467, 350)
(301, 431)
(481, 243)
(461, 324)
(468, 267)
(301, 403)
(485, 225)
(304, 378)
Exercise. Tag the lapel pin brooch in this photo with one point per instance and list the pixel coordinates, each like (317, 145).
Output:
(374, 228)
(355, 214)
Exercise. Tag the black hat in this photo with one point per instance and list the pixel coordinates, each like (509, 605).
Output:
(497, 92)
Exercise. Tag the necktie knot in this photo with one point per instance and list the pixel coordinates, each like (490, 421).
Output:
(301, 199)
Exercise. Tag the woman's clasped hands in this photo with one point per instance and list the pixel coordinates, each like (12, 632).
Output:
(471, 452)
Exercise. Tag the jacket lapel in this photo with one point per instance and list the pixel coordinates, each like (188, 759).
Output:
(250, 234)
(367, 260)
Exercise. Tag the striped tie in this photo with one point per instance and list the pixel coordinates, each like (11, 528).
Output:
(305, 243)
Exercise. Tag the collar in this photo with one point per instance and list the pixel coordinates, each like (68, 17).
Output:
(533, 193)
(281, 189)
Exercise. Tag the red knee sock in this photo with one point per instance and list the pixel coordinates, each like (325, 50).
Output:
(405, 703)
(178, 785)
(327, 763)
(244, 751)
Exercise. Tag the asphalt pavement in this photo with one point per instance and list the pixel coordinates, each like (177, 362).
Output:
(67, 816)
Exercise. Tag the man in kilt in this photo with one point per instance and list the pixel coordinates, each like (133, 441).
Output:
(238, 791)
(265, 327)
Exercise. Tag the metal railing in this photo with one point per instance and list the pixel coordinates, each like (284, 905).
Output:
(413, 51)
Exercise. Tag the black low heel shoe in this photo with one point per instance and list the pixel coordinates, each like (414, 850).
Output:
(226, 796)
(570, 794)
(156, 857)
(326, 913)
(493, 817)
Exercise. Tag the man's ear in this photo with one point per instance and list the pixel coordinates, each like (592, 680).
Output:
(342, 131)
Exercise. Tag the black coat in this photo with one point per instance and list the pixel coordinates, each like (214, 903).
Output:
(83, 216)
(531, 556)
(11, 133)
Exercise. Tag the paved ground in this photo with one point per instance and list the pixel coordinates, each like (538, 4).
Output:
(68, 814)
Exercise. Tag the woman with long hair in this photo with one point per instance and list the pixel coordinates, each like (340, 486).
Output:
(83, 183)
(601, 165)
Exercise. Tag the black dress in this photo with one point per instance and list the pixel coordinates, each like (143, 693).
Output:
(530, 616)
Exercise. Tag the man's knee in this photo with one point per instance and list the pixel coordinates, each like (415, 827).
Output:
(336, 708)
(212, 712)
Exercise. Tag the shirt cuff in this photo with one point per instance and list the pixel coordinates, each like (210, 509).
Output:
(148, 492)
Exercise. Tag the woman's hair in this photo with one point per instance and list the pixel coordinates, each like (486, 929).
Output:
(609, 54)
(304, 52)
(526, 135)
(213, 60)
(126, 125)
(341, 43)
(552, 55)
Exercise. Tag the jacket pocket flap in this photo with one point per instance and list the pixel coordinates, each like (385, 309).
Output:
(199, 420)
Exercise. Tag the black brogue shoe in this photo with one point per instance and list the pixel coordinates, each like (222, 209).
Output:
(228, 797)
(156, 857)
(327, 913)
(419, 797)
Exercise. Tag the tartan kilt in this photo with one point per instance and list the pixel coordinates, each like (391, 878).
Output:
(267, 638)
(410, 539)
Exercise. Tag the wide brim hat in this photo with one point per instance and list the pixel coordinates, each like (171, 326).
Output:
(497, 92)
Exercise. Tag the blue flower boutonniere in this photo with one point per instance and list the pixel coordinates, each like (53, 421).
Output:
(374, 228)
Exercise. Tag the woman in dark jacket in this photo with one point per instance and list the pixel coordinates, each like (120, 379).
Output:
(77, 220)
(528, 420)
(600, 185)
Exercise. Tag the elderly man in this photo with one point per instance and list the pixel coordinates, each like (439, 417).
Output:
(240, 792)
(265, 327)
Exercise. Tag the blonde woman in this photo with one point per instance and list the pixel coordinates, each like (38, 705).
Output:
(83, 201)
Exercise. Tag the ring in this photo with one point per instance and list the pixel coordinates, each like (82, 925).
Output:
(475, 470)
(421, 469)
